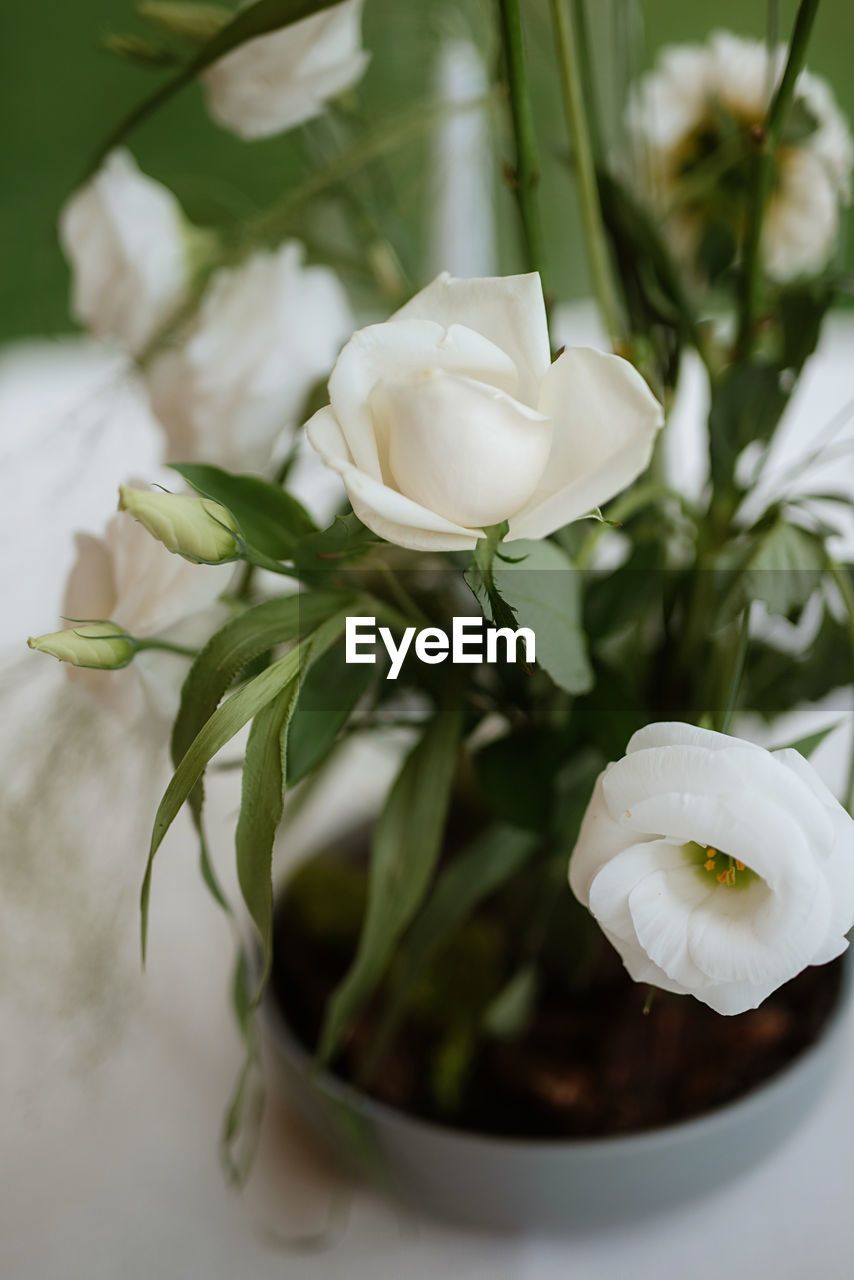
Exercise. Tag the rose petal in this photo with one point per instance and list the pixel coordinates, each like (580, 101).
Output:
(387, 512)
(397, 349)
(497, 447)
(508, 310)
(605, 419)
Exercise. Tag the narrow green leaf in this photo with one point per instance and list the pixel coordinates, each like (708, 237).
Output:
(263, 792)
(406, 846)
(270, 519)
(225, 722)
(544, 592)
(328, 695)
(806, 745)
(243, 1113)
(261, 806)
(234, 646)
(477, 872)
(228, 652)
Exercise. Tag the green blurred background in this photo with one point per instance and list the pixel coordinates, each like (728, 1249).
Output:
(60, 93)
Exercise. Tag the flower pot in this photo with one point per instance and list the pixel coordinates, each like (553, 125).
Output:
(509, 1184)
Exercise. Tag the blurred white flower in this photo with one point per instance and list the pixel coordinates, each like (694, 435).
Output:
(132, 579)
(280, 80)
(265, 333)
(450, 417)
(692, 120)
(715, 867)
(128, 245)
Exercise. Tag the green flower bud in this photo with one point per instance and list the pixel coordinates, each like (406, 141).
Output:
(198, 529)
(103, 645)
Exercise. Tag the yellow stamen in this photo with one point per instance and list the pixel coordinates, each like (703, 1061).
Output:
(739, 866)
(710, 865)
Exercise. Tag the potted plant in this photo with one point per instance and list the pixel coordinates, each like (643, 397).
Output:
(513, 583)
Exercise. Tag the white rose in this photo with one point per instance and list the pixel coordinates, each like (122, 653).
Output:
(715, 867)
(450, 417)
(265, 333)
(127, 242)
(691, 119)
(130, 578)
(279, 80)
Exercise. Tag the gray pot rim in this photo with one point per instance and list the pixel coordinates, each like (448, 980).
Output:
(680, 1131)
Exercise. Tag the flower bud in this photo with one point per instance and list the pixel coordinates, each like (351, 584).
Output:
(196, 528)
(103, 645)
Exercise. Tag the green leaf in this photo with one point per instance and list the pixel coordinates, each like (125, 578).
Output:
(747, 403)
(802, 311)
(477, 872)
(344, 540)
(328, 695)
(243, 1113)
(270, 519)
(784, 568)
(406, 846)
(225, 722)
(263, 793)
(234, 646)
(257, 19)
(806, 745)
(510, 1012)
(544, 593)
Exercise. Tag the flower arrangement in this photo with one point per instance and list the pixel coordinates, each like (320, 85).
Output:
(510, 578)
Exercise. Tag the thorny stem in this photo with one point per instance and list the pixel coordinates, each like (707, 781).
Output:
(526, 174)
(767, 141)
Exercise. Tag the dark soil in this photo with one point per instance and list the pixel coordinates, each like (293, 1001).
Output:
(592, 1062)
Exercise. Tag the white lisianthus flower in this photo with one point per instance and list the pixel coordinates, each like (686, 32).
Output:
(693, 121)
(265, 333)
(127, 576)
(450, 417)
(716, 868)
(128, 244)
(282, 79)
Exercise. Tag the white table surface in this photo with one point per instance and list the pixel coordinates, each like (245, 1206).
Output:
(112, 1083)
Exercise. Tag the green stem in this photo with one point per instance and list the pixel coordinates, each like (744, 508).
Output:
(588, 190)
(165, 646)
(526, 169)
(767, 142)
